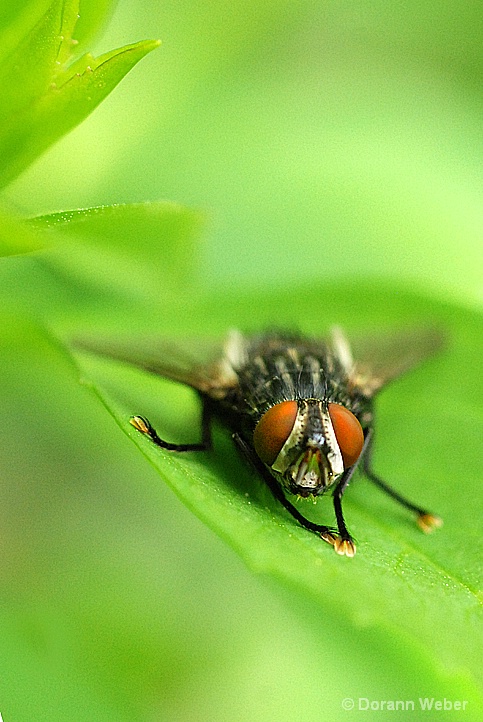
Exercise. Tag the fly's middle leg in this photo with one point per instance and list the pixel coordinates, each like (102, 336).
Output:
(424, 519)
(344, 543)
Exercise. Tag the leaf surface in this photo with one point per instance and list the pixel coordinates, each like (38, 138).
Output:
(403, 584)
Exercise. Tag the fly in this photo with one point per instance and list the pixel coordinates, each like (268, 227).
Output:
(300, 409)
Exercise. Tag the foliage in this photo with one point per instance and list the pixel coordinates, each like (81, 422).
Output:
(47, 89)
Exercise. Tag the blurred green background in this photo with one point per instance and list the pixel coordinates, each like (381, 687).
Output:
(322, 142)
(322, 138)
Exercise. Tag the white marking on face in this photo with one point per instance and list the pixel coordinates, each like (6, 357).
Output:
(331, 449)
(334, 456)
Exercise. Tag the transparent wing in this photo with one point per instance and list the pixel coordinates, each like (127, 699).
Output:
(201, 364)
(377, 360)
(209, 366)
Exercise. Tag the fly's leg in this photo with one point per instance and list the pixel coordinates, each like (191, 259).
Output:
(425, 520)
(344, 543)
(327, 533)
(142, 425)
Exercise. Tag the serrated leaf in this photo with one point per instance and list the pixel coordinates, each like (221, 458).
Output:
(61, 109)
(26, 73)
(46, 92)
(424, 590)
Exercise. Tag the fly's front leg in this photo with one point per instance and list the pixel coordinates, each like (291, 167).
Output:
(425, 520)
(327, 533)
(344, 543)
(142, 425)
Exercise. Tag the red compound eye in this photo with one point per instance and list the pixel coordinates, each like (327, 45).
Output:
(273, 430)
(348, 432)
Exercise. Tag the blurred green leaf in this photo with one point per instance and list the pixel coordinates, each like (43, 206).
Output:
(27, 72)
(17, 17)
(46, 91)
(93, 17)
(17, 237)
(142, 249)
(402, 584)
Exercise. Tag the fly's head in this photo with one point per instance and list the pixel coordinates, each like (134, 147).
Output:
(308, 444)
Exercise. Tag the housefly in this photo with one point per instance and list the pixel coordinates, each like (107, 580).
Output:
(300, 409)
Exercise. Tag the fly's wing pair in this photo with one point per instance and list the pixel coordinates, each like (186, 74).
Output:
(209, 366)
(379, 360)
(201, 364)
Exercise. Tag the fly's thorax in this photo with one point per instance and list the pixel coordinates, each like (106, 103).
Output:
(304, 444)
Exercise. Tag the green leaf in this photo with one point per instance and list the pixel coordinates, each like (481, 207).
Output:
(17, 237)
(94, 16)
(46, 91)
(28, 70)
(422, 592)
(142, 248)
(17, 18)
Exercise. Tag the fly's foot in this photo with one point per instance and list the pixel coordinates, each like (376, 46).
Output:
(428, 522)
(344, 547)
(141, 424)
(329, 536)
